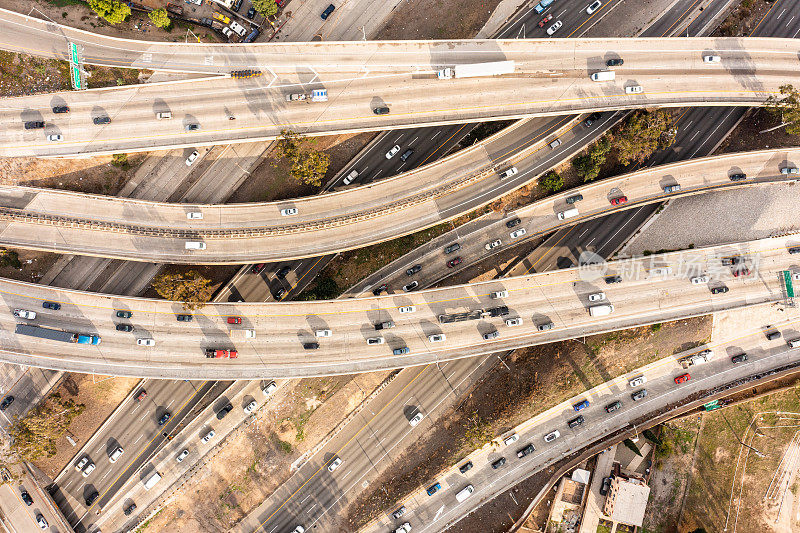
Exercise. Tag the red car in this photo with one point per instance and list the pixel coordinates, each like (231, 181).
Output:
(741, 271)
(142, 395)
(234, 320)
(545, 20)
(682, 379)
(619, 201)
(221, 354)
(454, 262)
(256, 269)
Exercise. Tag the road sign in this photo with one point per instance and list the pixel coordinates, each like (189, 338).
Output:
(75, 71)
(787, 281)
(75, 76)
(73, 52)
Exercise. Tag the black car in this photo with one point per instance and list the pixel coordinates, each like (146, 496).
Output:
(26, 497)
(192, 127)
(741, 358)
(61, 109)
(400, 512)
(574, 198)
(124, 314)
(257, 269)
(639, 395)
(251, 13)
(184, 318)
(613, 406)
(527, 450)
(165, 417)
(449, 249)
(719, 290)
(129, 509)
(606, 486)
(51, 305)
(34, 125)
(738, 177)
(413, 270)
(90, 499)
(102, 120)
(124, 327)
(466, 467)
(513, 222)
(206, 22)
(591, 119)
(283, 272)
(575, 422)
(8, 400)
(237, 5)
(500, 462)
(613, 279)
(405, 155)
(327, 12)
(794, 250)
(616, 62)
(310, 345)
(772, 335)
(224, 411)
(379, 289)
(381, 111)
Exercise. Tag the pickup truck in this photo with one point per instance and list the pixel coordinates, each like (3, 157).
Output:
(216, 353)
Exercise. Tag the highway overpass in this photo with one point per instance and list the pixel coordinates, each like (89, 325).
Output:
(124, 228)
(551, 78)
(643, 296)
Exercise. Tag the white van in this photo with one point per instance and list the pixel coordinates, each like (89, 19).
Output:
(464, 493)
(164, 115)
(116, 454)
(569, 213)
(195, 245)
(634, 89)
(604, 75)
(151, 481)
(601, 310)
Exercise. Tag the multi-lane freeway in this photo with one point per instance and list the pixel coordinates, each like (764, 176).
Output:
(148, 231)
(334, 337)
(549, 79)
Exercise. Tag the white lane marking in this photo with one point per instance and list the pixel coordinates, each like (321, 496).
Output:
(436, 134)
(170, 403)
(304, 499)
(104, 475)
(138, 439)
(143, 416)
(347, 474)
(435, 518)
(310, 508)
(413, 141)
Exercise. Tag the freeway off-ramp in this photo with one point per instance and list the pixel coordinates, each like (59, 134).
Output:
(551, 78)
(61, 221)
(282, 329)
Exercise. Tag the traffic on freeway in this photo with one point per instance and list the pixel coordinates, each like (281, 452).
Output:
(576, 79)
(65, 221)
(224, 341)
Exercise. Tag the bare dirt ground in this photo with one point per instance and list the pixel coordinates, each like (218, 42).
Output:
(101, 395)
(747, 136)
(437, 19)
(537, 377)
(255, 461)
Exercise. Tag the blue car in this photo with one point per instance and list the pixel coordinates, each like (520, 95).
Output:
(580, 406)
(330, 8)
(51, 305)
(433, 489)
(541, 6)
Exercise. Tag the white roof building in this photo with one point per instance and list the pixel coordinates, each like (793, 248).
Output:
(627, 501)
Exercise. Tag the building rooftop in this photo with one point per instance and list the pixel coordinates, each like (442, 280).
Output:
(627, 501)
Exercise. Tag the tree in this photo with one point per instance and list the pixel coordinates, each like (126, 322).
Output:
(190, 288)
(265, 7)
(307, 165)
(786, 108)
(114, 12)
(588, 166)
(35, 435)
(160, 18)
(552, 181)
(644, 133)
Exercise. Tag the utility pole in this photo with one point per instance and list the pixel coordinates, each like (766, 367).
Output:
(758, 453)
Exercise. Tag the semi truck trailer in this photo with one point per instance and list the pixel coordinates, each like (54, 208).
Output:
(476, 70)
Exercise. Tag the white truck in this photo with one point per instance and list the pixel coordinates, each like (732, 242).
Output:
(317, 95)
(601, 310)
(696, 359)
(476, 70)
(152, 480)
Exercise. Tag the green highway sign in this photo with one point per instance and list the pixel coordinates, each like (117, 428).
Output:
(787, 281)
(75, 74)
(73, 52)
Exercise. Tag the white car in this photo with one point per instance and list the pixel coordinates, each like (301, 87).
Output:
(405, 528)
(634, 89)
(227, 32)
(407, 309)
(81, 464)
(511, 322)
(299, 529)
(391, 153)
(699, 280)
(289, 211)
(375, 340)
(194, 215)
(269, 389)
(323, 333)
(508, 173)
(416, 420)
(182, 456)
(493, 244)
(518, 233)
(591, 8)
(511, 438)
(335, 464)
(500, 294)
(88, 470)
(350, 177)
(22, 313)
(238, 28)
(790, 170)
(191, 158)
(439, 337)
(554, 28)
(250, 407)
(208, 436)
(550, 437)
(637, 381)
(711, 59)
(42, 522)
(54, 137)
(145, 342)
(596, 297)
